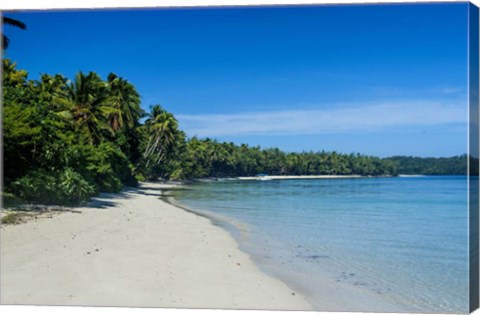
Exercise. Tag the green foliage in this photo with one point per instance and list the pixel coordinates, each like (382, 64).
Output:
(108, 167)
(9, 200)
(456, 165)
(125, 101)
(161, 144)
(139, 177)
(73, 187)
(209, 158)
(90, 108)
(60, 144)
(65, 187)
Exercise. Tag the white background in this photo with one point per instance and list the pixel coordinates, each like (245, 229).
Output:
(45, 4)
(48, 4)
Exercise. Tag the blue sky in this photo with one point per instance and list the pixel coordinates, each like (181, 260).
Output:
(376, 79)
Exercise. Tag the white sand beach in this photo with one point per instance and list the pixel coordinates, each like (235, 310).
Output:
(133, 249)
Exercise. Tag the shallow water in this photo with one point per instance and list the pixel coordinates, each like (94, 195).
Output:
(402, 240)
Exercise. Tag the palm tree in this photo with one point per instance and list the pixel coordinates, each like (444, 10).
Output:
(198, 157)
(12, 22)
(52, 89)
(163, 134)
(90, 109)
(124, 98)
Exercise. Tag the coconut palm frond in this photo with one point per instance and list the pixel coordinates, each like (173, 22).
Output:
(13, 22)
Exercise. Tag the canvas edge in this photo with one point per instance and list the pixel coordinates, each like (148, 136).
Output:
(473, 110)
(473, 156)
(186, 5)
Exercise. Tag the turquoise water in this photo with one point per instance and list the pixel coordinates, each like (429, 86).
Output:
(402, 240)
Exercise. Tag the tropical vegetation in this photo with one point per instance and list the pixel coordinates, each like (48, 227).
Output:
(67, 140)
(410, 165)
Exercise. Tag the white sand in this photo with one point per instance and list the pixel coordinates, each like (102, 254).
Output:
(133, 249)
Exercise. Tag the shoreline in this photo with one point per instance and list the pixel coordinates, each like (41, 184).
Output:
(134, 249)
(334, 296)
(276, 177)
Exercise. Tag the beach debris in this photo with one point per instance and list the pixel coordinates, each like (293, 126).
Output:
(88, 253)
(360, 283)
(311, 256)
(316, 256)
(24, 213)
(12, 218)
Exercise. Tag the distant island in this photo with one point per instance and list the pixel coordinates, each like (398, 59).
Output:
(66, 141)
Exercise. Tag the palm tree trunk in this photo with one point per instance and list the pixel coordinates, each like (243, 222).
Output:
(148, 145)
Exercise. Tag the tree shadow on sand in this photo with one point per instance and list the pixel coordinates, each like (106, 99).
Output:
(108, 200)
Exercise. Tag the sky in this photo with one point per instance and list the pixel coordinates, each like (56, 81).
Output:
(381, 80)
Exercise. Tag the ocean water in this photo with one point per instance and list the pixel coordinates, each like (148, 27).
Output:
(402, 241)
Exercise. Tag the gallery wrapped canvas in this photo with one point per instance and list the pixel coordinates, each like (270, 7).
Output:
(288, 157)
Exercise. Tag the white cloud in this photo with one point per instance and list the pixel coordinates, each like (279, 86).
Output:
(341, 118)
(451, 90)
